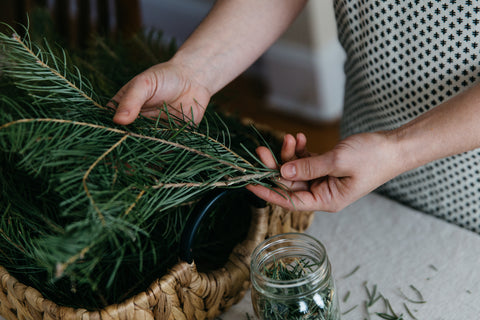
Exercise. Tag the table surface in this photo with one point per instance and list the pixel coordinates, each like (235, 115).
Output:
(405, 254)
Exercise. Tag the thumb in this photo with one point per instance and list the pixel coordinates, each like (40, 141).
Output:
(306, 169)
(131, 99)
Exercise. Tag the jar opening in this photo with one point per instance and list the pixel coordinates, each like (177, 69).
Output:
(289, 261)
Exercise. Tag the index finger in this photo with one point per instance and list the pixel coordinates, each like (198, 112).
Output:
(295, 201)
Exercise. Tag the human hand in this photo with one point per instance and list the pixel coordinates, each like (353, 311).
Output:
(168, 83)
(331, 181)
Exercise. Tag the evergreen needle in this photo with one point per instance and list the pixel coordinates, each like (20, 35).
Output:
(350, 310)
(89, 205)
(419, 299)
(409, 312)
(351, 273)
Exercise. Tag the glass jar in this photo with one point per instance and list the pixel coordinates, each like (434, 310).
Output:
(291, 279)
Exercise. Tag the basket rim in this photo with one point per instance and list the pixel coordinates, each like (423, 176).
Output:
(182, 273)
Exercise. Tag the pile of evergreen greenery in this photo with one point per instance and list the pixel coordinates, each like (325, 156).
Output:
(92, 212)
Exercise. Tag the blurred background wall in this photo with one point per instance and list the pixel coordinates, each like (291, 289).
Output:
(302, 71)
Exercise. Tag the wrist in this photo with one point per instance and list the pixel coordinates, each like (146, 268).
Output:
(408, 152)
(194, 69)
(209, 65)
(448, 129)
(393, 153)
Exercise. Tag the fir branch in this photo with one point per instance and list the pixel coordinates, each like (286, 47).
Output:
(61, 267)
(140, 194)
(115, 198)
(29, 68)
(127, 133)
(85, 176)
(227, 183)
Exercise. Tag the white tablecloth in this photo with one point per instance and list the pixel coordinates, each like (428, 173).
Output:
(396, 248)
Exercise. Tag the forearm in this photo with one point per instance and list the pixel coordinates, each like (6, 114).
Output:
(233, 35)
(451, 128)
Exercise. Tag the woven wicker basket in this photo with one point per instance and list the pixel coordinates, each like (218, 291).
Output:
(182, 293)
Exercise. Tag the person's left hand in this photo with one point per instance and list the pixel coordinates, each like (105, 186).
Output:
(171, 83)
(331, 181)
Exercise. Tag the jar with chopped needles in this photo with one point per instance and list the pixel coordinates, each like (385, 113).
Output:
(292, 279)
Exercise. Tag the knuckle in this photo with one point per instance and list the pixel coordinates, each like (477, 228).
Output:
(305, 169)
(308, 169)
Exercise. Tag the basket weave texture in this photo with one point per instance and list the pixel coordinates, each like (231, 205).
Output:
(182, 293)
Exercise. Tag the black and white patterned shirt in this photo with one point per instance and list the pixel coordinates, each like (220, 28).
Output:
(402, 59)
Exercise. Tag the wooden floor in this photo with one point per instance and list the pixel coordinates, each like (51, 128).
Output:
(246, 96)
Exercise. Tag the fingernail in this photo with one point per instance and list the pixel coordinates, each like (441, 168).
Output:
(289, 171)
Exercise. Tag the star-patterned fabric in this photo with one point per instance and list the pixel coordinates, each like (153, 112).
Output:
(403, 58)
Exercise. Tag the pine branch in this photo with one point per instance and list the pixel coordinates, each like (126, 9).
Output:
(117, 197)
(44, 75)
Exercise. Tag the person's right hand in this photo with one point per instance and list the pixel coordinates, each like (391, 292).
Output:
(333, 180)
(169, 83)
